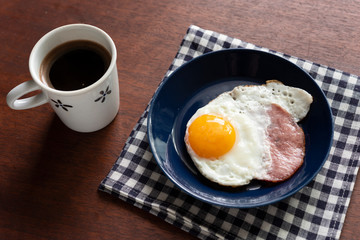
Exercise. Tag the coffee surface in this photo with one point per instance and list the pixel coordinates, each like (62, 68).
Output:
(74, 65)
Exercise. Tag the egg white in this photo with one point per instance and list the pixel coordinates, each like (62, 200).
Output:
(246, 158)
(245, 107)
(295, 101)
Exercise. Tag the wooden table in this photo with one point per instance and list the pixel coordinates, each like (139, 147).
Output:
(50, 174)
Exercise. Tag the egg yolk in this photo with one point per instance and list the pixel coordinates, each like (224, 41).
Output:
(211, 136)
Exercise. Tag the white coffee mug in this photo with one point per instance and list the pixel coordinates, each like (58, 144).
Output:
(84, 110)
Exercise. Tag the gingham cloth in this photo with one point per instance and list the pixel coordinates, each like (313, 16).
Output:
(315, 212)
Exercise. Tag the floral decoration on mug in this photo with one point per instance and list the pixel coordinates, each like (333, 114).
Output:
(58, 103)
(103, 95)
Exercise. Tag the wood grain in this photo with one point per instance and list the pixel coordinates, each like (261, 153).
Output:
(50, 174)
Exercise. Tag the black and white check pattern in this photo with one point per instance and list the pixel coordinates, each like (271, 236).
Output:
(316, 212)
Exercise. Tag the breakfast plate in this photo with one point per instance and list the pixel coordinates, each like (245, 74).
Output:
(202, 79)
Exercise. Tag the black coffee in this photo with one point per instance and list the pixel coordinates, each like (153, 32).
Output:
(74, 65)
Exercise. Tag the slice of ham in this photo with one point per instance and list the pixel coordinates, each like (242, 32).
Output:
(287, 145)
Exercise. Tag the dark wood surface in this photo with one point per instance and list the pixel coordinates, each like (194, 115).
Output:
(50, 174)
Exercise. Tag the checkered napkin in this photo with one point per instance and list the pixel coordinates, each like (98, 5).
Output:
(315, 212)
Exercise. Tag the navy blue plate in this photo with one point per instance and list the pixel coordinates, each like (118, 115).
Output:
(194, 84)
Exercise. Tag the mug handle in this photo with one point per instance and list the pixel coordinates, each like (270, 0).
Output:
(20, 90)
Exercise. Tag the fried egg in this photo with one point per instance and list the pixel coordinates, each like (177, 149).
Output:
(228, 139)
